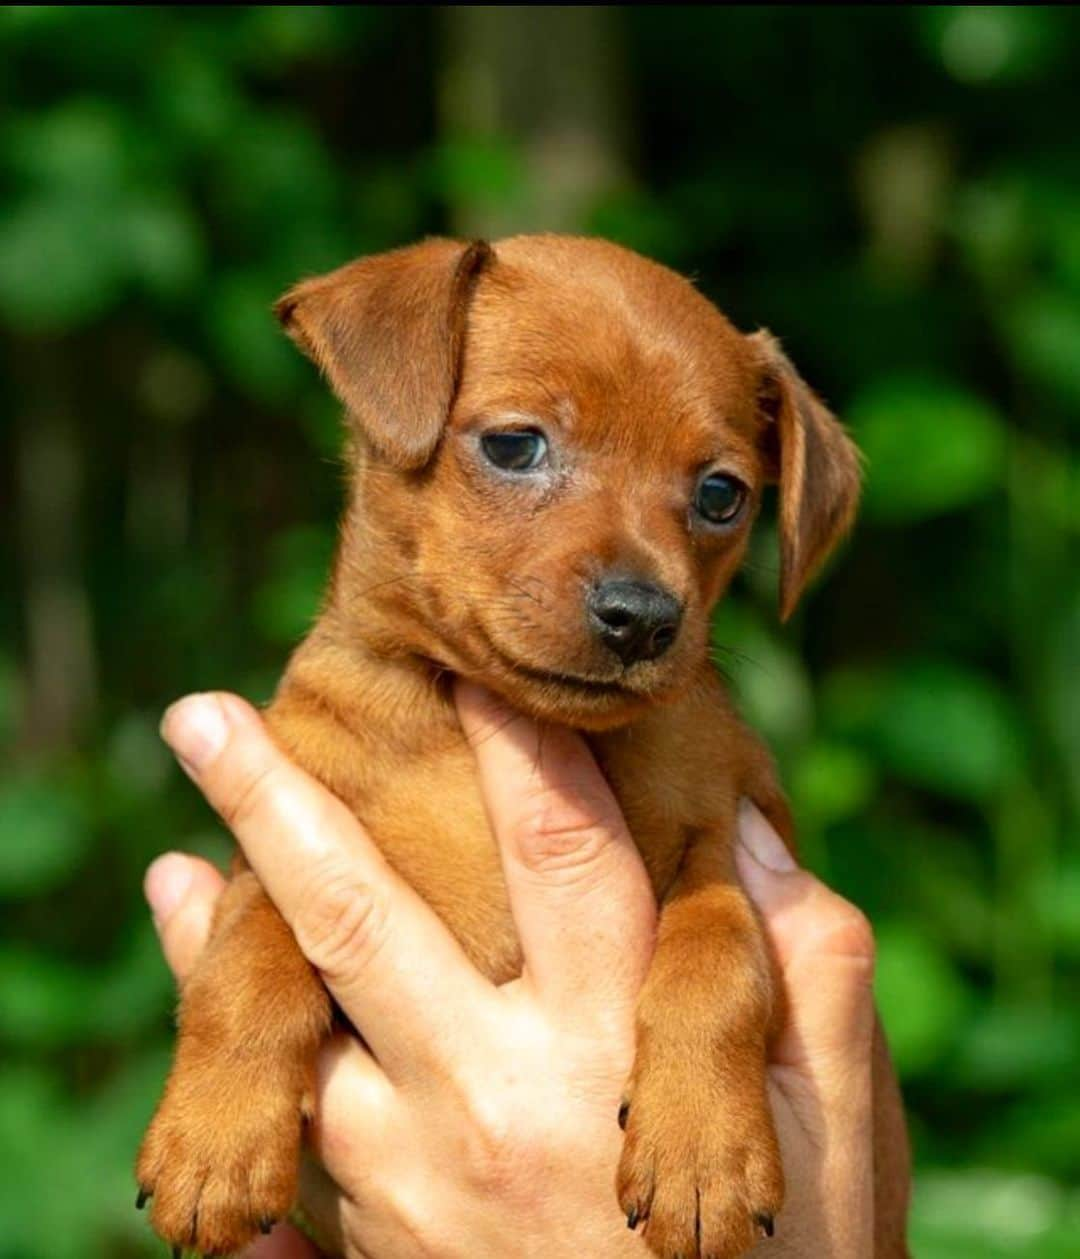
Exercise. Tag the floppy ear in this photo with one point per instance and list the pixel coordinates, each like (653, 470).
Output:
(388, 332)
(815, 462)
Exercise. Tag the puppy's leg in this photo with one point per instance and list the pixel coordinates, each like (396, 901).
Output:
(221, 1154)
(701, 1163)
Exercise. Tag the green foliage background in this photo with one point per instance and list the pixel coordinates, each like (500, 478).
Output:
(896, 191)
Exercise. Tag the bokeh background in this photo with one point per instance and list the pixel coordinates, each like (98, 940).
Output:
(894, 190)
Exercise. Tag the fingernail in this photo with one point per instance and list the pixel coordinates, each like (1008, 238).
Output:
(195, 729)
(166, 884)
(762, 842)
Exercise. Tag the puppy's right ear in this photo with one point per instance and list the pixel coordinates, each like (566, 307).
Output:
(815, 462)
(388, 332)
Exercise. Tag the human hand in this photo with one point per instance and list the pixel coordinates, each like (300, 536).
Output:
(821, 1064)
(481, 1121)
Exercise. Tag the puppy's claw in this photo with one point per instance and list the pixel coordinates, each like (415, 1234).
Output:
(266, 1223)
(142, 1198)
(764, 1221)
(632, 1219)
(624, 1114)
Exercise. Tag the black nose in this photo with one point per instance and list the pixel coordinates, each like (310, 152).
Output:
(636, 619)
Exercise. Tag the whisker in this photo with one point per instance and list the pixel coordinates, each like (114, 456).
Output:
(717, 650)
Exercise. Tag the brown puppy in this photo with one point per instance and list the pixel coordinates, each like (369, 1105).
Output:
(558, 449)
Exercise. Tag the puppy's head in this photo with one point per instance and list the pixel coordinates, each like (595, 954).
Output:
(560, 448)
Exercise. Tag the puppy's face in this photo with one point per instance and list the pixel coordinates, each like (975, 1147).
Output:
(555, 509)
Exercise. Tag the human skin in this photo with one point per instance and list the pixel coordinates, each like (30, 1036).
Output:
(477, 1120)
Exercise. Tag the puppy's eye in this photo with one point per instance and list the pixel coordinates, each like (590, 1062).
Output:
(517, 450)
(720, 498)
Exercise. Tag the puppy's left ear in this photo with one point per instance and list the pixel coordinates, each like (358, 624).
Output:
(388, 332)
(815, 463)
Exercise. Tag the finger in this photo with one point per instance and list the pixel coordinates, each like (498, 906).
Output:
(182, 892)
(821, 1063)
(356, 1109)
(284, 1242)
(391, 963)
(825, 948)
(580, 896)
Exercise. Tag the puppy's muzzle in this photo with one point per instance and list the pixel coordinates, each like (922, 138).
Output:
(637, 620)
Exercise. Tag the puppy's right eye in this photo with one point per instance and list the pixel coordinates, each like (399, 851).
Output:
(518, 450)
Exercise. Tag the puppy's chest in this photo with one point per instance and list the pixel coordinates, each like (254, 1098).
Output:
(405, 771)
(428, 818)
(420, 801)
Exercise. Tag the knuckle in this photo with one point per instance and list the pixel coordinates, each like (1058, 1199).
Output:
(499, 1155)
(340, 923)
(336, 1139)
(555, 837)
(245, 804)
(845, 931)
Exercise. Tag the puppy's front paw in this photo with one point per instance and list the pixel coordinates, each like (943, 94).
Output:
(700, 1168)
(220, 1158)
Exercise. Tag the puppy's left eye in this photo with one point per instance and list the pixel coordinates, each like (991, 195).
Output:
(720, 498)
(517, 450)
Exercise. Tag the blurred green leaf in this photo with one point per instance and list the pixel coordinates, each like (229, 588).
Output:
(165, 248)
(42, 1001)
(288, 600)
(75, 1164)
(1056, 897)
(923, 1002)
(196, 97)
(273, 35)
(831, 781)
(769, 682)
(982, 1213)
(46, 1002)
(983, 43)
(81, 149)
(947, 887)
(931, 722)
(58, 263)
(261, 361)
(1041, 1130)
(1014, 1047)
(43, 833)
(9, 699)
(136, 759)
(276, 171)
(1044, 330)
(466, 168)
(995, 229)
(930, 447)
(638, 222)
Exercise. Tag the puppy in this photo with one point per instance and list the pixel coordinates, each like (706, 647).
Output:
(557, 451)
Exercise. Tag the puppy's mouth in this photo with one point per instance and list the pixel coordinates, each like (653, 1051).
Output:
(583, 699)
(571, 681)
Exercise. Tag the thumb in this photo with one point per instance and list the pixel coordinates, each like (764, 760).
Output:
(825, 948)
(182, 892)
